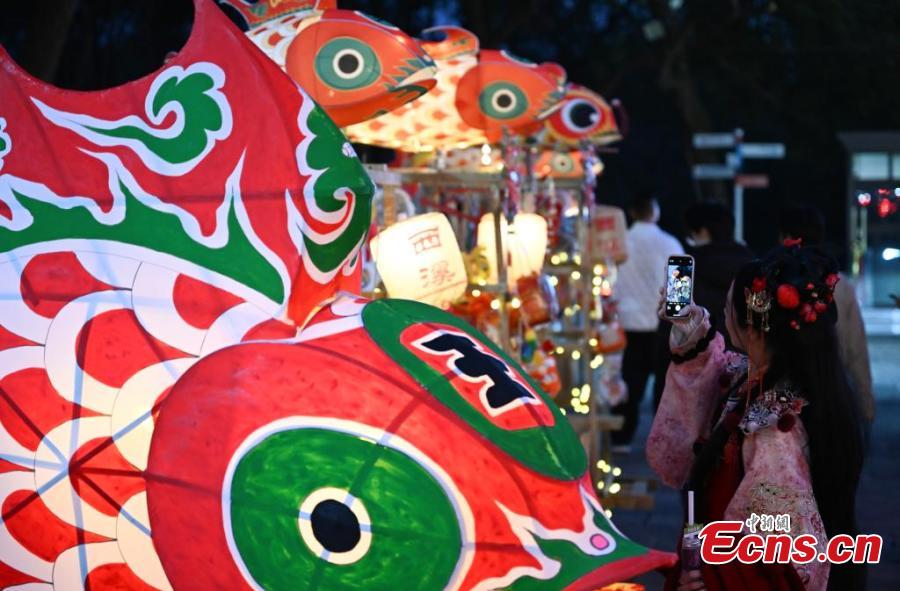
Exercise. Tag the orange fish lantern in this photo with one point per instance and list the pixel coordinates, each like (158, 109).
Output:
(479, 96)
(583, 115)
(354, 66)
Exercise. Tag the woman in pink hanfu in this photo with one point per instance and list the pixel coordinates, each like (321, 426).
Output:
(774, 431)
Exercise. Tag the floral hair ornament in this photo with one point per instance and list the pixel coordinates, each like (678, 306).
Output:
(809, 303)
(759, 301)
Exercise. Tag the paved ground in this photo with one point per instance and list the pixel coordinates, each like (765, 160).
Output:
(878, 502)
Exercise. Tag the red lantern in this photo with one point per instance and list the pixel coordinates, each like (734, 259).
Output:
(886, 207)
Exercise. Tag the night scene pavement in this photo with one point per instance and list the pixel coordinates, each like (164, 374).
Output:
(878, 501)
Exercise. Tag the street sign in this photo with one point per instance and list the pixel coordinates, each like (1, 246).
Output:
(713, 140)
(762, 150)
(752, 181)
(713, 172)
(734, 161)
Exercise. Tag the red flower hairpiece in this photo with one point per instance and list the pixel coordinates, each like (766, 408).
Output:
(791, 242)
(787, 296)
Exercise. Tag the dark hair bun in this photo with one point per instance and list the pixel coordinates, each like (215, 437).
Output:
(799, 283)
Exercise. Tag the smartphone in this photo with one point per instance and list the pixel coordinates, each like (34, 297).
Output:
(679, 285)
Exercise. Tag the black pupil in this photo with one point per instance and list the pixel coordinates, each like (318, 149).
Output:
(504, 101)
(582, 115)
(348, 63)
(335, 526)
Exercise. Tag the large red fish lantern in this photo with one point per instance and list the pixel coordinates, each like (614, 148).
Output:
(165, 423)
(480, 95)
(354, 66)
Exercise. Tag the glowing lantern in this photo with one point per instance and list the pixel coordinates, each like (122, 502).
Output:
(886, 207)
(607, 234)
(419, 259)
(356, 67)
(480, 94)
(524, 244)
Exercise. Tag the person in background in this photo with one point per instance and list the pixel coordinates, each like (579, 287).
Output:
(640, 278)
(717, 256)
(806, 223)
(710, 240)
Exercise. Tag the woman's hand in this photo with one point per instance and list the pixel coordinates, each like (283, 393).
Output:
(683, 326)
(693, 317)
(691, 580)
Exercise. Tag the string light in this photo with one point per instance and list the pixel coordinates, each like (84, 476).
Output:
(614, 488)
(560, 350)
(515, 303)
(606, 287)
(593, 342)
(576, 354)
(554, 259)
(495, 304)
(576, 259)
(486, 155)
(554, 280)
(617, 471)
(476, 293)
(608, 513)
(597, 361)
(576, 275)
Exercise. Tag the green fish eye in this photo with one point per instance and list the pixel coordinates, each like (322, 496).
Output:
(343, 509)
(347, 64)
(502, 100)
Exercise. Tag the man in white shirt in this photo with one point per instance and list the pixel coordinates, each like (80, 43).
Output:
(637, 287)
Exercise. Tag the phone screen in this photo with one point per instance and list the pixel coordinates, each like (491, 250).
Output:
(679, 284)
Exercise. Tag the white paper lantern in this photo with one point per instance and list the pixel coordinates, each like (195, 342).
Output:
(419, 259)
(524, 245)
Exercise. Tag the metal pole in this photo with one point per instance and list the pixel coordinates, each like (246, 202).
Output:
(738, 189)
(502, 288)
(738, 212)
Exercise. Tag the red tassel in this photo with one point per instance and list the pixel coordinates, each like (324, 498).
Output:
(786, 422)
(730, 453)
